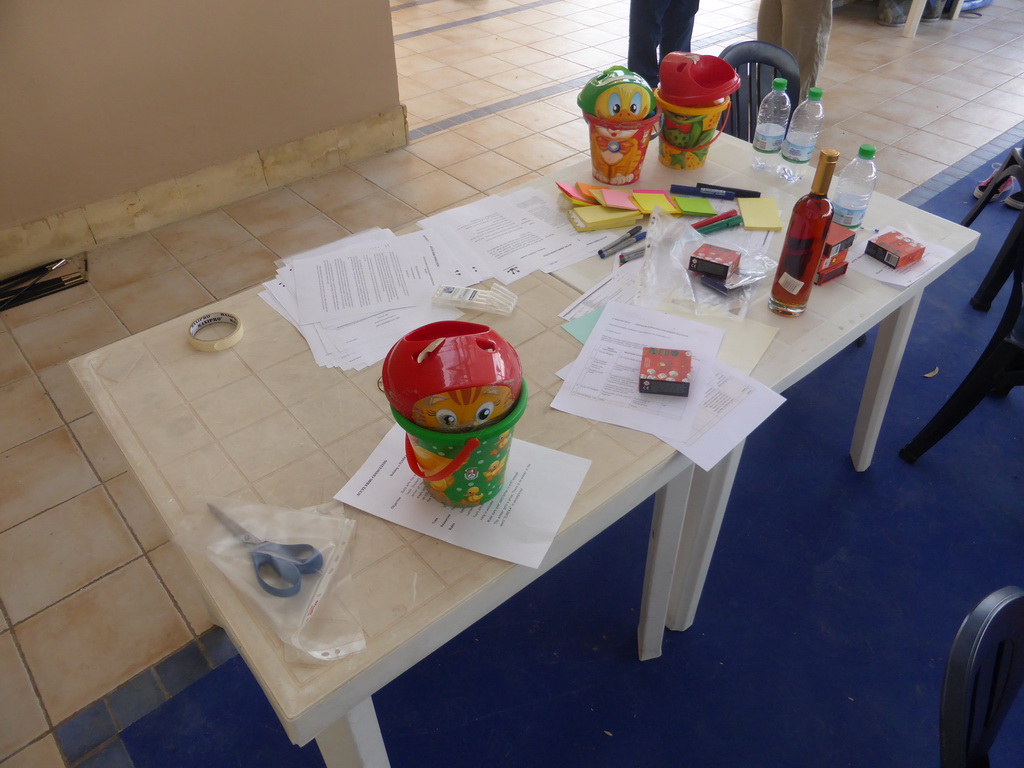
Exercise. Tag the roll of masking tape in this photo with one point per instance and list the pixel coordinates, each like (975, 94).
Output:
(215, 345)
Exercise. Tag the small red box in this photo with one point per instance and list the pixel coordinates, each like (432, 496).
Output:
(665, 371)
(894, 249)
(833, 261)
(834, 271)
(715, 261)
(837, 239)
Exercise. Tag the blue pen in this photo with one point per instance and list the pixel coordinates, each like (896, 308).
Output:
(721, 194)
(633, 236)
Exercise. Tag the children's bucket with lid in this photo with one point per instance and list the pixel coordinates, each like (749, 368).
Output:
(687, 133)
(462, 469)
(618, 148)
(694, 79)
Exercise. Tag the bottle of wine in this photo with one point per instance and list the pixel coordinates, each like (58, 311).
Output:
(804, 243)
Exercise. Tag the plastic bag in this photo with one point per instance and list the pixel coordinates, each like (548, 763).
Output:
(315, 623)
(665, 274)
(666, 279)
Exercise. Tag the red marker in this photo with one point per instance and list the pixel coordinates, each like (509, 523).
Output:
(716, 219)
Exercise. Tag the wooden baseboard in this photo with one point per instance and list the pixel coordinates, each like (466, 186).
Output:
(73, 232)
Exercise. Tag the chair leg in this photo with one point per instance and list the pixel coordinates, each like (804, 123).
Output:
(1013, 158)
(1001, 268)
(971, 391)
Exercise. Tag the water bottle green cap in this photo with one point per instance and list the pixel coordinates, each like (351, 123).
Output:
(867, 151)
(814, 94)
(779, 84)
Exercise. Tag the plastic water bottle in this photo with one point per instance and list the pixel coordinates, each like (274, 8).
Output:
(802, 136)
(854, 187)
(772, 119)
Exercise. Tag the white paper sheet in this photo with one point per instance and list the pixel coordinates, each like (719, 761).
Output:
(513, 243)
(566, 246)
(734, 406)
(518, 525)
(603, 382)
(904, 277)
(621, 286)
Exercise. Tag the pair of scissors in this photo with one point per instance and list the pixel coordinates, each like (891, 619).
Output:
(279, 567)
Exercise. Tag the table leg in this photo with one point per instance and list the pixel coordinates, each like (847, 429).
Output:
(913, 18)
(354, 741)
(666, 530)
(705, 508)
(893, 333)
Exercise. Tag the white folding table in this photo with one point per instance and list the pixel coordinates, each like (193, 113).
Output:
(261, 420)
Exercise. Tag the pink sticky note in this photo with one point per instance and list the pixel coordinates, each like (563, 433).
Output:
(574, 194)
(616, 198)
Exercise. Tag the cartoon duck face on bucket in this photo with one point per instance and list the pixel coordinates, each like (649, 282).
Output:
(620, 108)
(457, 390)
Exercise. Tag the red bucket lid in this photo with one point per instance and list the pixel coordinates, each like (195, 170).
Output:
(444, 357)
(692, 79)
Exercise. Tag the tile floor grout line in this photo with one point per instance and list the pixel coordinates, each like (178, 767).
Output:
(535, 95)
(473, 19)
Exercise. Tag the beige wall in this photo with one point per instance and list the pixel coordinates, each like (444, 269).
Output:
(102, 97)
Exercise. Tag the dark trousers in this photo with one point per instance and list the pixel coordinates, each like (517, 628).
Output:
(656, 28)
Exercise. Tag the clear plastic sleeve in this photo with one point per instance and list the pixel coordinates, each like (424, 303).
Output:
(316, 624)
(667, 282)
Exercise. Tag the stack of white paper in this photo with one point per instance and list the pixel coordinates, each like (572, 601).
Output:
(352, 299)
(511, 236)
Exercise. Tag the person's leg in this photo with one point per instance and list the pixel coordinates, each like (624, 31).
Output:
(677, 28)
(645, 20)
(806, 26)
(769, 22)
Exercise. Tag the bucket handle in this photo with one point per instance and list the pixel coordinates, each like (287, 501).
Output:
(723, 118)
(450, 469)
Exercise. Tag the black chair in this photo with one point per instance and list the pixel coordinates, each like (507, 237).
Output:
(1000, 367)
(758, 63)
(983, 676)
(1003, 264)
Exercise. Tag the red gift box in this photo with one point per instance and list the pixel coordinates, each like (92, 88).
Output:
(894, 249)
(714, 260)
(838, 239)
(665, 371)
(834, 271)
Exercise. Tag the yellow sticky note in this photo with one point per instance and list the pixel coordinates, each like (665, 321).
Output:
(695, 206)
(647, 200)
(587, 217)
(759, 213)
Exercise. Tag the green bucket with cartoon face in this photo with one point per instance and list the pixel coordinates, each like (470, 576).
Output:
(462, 469)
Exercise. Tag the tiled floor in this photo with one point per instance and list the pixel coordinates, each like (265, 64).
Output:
(93, 595)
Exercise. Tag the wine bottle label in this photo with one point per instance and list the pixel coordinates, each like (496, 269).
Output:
(790, 284)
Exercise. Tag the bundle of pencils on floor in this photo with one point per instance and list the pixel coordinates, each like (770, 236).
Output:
(29, 285)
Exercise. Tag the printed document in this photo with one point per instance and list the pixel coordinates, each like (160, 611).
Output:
(511, 242)
(603, 382)
(354, 280)
(518, 525)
